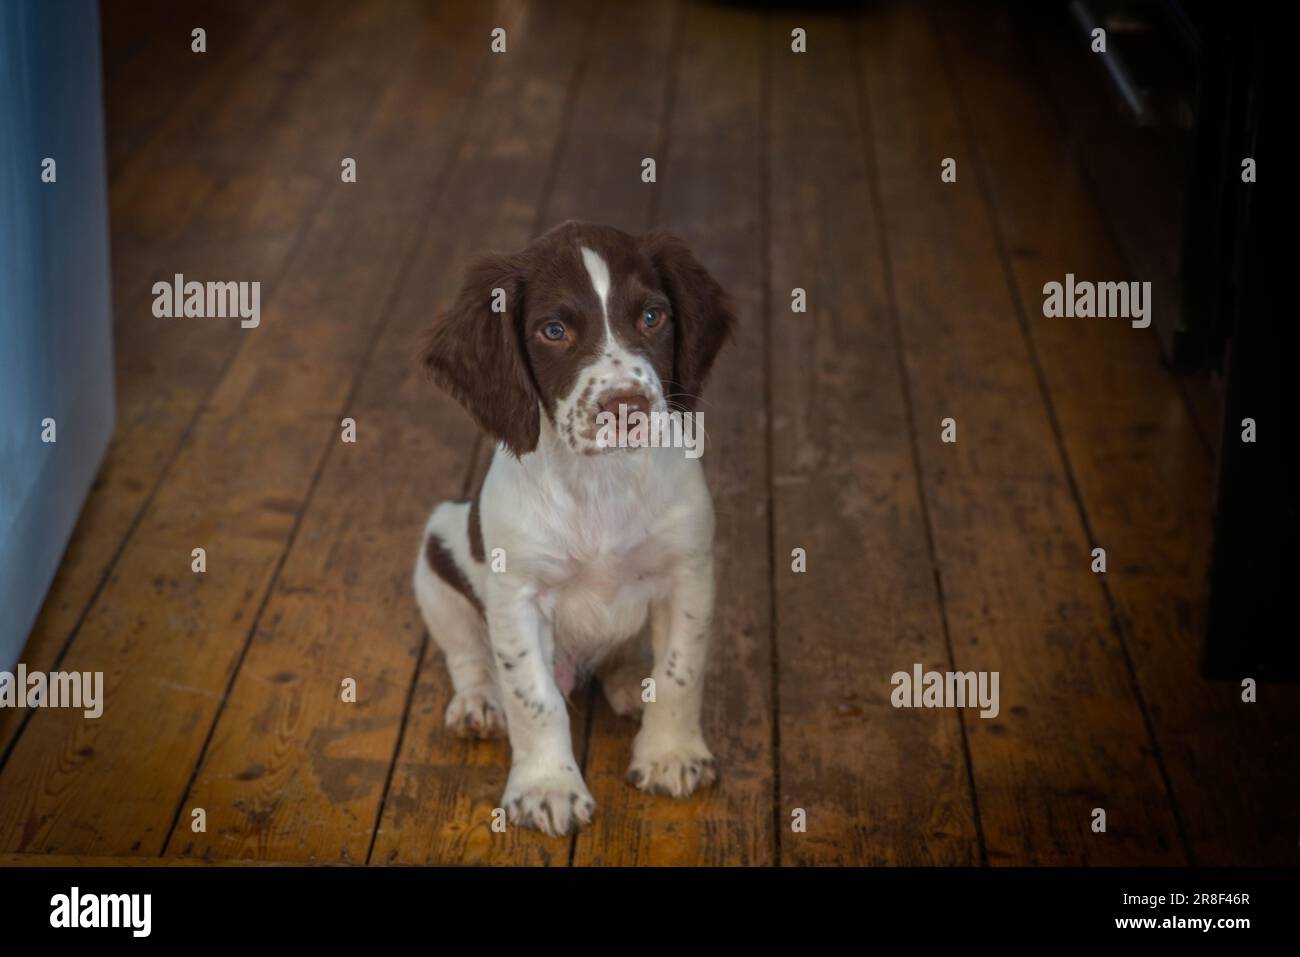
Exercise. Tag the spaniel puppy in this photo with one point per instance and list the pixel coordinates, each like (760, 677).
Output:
(573, 544)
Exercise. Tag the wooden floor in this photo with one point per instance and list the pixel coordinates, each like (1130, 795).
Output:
(818, 171)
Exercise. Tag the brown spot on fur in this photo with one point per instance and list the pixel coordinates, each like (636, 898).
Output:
(702, 314)
(444, 566)
(476, 550)
(475, 353)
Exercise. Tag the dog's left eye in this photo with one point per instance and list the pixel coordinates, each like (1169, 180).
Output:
(651, 317)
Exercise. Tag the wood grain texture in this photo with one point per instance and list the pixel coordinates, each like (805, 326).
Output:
(244, 225)
(236, 489)
(711, 196)
(1145, 481)
(1138, 173)
(618, 118)
(293, 771)
(149, 72)
(231, 104)
(1014, 557)
(82, 860)
(879, 785)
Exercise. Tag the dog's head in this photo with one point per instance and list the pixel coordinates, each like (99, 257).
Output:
(581, 321)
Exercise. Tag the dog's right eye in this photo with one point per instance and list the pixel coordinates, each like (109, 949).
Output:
(554, 331)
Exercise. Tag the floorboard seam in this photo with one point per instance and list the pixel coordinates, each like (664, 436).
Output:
(181, 442)
(1009, 276)
(386, 313)
(114, 75)
(877, 200)
(765, 240)
(420, 657)
(256, 44)
(1058, 110)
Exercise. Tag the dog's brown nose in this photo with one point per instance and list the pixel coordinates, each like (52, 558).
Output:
(632, 401)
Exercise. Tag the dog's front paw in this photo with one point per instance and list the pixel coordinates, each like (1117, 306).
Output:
(476, 713)
(551, 798)
(673, 766)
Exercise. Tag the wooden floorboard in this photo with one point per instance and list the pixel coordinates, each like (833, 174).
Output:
(1125, 168)
(1144, 476)
(83, 860)
(1013, 555)
(247, 222)
(879, 785)
(295, 771)
(232, 101)
(113, 785)
(150, 72)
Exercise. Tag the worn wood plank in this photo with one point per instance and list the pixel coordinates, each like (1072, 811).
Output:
(249, 226)
(295, 772)
(618, 118)
(1013, 553)
(1145, 481)
(1136, 177)
(150, 69)
(236, 487)
(81, 860)
(880, 785)
(187, 166)
(711, 196)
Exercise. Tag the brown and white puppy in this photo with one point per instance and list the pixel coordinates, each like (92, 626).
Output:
(572, 546)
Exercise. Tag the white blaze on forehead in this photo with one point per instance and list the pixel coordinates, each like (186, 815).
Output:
(614, 350)
(599, 274)
(611, 369)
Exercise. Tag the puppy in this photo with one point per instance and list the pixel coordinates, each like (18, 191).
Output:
(575, 547)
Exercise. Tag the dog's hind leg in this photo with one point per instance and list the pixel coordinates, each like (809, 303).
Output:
(452, 612)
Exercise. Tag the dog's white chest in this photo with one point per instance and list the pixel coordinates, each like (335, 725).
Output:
(604, 587)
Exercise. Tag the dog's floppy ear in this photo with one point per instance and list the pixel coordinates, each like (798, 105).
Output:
(702, 314)
(475, 353)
